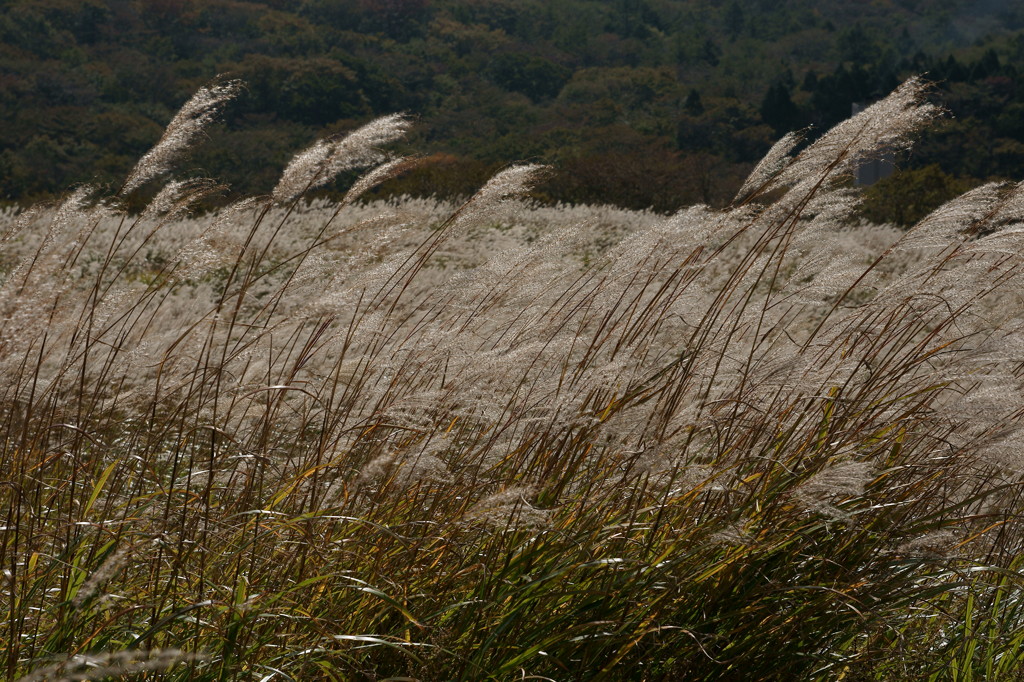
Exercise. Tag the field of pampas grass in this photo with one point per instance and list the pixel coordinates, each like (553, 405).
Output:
(499, 441)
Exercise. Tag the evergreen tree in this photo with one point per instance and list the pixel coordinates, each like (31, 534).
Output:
(905, 44)
(987, 66)
(710, 52)
(735, 20)
(855, 45)
(952, 70)
(778, 109)
(693, 104)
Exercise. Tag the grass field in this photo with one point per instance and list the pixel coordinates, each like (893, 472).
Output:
(418, 441)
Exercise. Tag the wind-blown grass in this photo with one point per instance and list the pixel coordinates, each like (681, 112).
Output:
(498, 441)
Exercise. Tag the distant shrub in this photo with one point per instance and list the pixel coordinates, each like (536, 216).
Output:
(908, 196)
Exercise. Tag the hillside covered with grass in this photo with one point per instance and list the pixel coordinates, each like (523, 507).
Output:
(419, 440)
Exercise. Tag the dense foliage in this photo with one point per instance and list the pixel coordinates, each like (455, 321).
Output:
(635, 102)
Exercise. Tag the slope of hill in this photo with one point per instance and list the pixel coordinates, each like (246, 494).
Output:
(637, 102)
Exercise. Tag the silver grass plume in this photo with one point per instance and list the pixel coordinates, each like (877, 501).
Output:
(952, 221)
(69, 212)
(114, 563)
(175, 199)
(509, 509)
(381, 173)
(181, 132)
(326, 158)
(772, 163)
(504, 186)
(884, 126)
(216, 246)
(833, 484)
(1007, 237)
(509, 183)
(1013, 207)
(113, 664)
(18, 225)
(401, 472)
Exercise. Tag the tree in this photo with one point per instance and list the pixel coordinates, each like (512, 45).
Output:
(693, 105)
(905, 44)
(952, 70)
(855, 45)
(778, 109)
(735, 20)
(535, 77)
(311, 91)
(810, 83)
(398, 19)
(710, 52)
(633, 19)
(987, 66)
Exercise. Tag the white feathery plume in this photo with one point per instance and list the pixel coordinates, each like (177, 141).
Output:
(773, 162)
(1008, 241)
(325, 159)
(177, 196)
(830, 209)
(22, 220)
(885, 126)
(508, 184)
(1013, 207)
(510, 509)
(113, 563)
(107, 665)
(183, 129)
(67, 215)
(833, 484)
(215, 246)
(381, 173)
(1008, 237)
(948, 222)
(939, 543)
